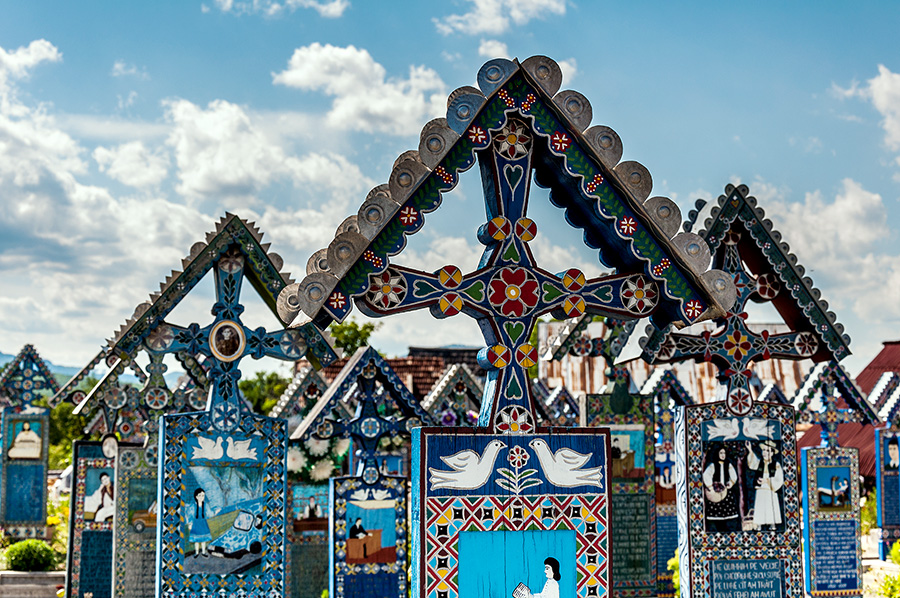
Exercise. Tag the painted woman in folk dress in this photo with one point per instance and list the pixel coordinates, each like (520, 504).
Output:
(720, 493)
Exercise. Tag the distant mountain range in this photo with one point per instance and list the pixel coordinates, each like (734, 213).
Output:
(63, 373)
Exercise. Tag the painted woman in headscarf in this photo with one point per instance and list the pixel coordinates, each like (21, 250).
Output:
(720, 492)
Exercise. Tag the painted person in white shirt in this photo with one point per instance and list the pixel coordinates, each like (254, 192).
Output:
(551, 586)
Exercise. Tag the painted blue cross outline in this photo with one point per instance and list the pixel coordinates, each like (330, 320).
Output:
(226, 341)
(508, 292)
(733, 347)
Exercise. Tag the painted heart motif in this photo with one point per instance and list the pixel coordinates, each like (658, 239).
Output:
(513, 175)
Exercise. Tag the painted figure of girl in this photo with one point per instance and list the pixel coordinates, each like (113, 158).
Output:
(551, 586)
(720, 492)
(200, 534)
(769, 478)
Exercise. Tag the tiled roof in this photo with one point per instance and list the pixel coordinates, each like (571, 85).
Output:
(588, 374)
(419, 373)
(888, 360)
(853, 435)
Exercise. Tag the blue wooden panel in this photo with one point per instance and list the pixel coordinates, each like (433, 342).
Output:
(887, 490)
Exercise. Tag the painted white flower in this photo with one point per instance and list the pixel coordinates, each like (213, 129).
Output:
(296, 460)
(317, 447)
(341, 446)
(322, 470)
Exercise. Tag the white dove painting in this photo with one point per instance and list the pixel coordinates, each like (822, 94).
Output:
(564, 468)
(207, 448)
(469, 469)
(723, 429)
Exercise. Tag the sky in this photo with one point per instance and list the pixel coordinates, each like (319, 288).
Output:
(128, 129)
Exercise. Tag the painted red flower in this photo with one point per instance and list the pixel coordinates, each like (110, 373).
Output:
(517, 457)
(639, 294)
(386, 289)
(737, 345)
(513, 291)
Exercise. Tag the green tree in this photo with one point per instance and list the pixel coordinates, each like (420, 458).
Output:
(351, 335)
(263, 390)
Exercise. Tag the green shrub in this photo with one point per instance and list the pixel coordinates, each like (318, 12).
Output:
(867, 515)
(894, 555)
(29, 555)
(672, 565)
(890, 587)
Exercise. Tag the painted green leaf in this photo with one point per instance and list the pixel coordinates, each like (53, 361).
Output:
(604, 294)
(423, 289)
(514, 330)
(551, 292)
(513, 390)
(513, 175)
(511, 254)
(475, 291)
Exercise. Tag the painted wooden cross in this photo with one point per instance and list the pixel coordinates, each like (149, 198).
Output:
(367, 509)
(508, 293)
(24, 441)
(222, 488)
(830, 489)
(733, 347)
(737, 487)
(537, 498)
(817, 402)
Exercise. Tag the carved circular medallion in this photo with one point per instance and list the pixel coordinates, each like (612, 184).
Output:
(370, 475)
(115, 398)
(109, 446)
(160, 338)
(513, 292)
(370, 427)
(639, 294)
(156, 398)
(292, 344)
(128, 459)
(386, 289)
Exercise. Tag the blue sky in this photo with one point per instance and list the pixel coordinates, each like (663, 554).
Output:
(128, 129)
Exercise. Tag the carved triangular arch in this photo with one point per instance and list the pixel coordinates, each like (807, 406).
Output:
(25, 377)
(746, 246)
(455, 397)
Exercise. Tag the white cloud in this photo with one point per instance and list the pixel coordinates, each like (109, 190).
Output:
(492, 48)
(127, 101)
(364, 98)
(883, 91)
(329, 9)
(494, 17)
(17, 63)
(111, 129)
(840, 243)
(122, 69)
(133, 164)
(569, 69)
(221, 151)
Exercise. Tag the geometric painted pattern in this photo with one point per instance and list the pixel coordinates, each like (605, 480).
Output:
(702, 547)
(446, 517)
(176, 431)
(812, 460)
(134, 541)
(88, 455)
(393, 488)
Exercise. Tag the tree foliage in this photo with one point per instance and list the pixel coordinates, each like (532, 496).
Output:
(263, 390)
(351, 335)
